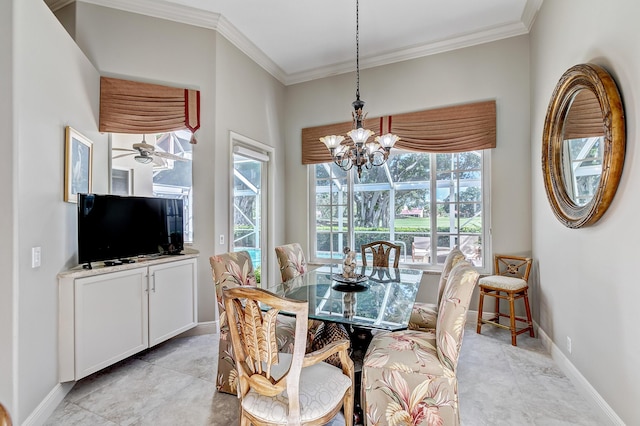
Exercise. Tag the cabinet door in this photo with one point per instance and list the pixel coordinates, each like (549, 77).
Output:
(111, 319)
(172, 299)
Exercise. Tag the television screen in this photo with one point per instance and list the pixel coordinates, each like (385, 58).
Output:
(112, 227)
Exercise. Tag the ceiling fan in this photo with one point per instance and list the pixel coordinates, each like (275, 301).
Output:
(145, 153)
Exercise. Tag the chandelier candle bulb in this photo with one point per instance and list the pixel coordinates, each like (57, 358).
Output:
(332, 141)
(387, 141)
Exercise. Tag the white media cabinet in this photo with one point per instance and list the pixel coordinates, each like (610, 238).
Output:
(107, 314)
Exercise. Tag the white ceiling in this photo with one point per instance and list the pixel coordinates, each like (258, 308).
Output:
(300, 40)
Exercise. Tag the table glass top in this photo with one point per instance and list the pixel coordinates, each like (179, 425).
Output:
(382, 298)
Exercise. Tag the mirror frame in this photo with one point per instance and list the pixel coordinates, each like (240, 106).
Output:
(597, 80)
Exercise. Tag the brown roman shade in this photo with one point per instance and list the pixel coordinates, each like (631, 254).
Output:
(458, 128)
(133, 107)
(584, 118)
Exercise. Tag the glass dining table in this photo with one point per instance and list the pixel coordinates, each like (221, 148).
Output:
(379, 298)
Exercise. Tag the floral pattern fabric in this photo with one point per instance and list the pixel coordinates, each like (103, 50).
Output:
(293, 263)
(232, 270)
(291, 260)
(409, 377)
(424, 315)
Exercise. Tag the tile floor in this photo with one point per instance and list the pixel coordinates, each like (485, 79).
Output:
(173, 384)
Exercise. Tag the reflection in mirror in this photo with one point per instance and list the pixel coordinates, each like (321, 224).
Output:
(583, 145)
(582, 148)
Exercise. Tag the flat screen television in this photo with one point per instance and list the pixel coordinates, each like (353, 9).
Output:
(114, 228)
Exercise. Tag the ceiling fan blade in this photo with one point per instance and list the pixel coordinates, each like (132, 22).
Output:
(123, 149)
(159, 161)
(170, 156)
(143, 146)
(123, 155)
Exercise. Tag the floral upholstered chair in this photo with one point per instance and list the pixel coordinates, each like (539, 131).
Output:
(423, 314)
(409, 377)
(235, 269)
(293, 263)
(291, 260)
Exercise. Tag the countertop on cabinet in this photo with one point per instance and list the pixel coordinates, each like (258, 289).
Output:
(98, 268)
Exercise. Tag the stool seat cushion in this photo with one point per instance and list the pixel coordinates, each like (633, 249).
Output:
(502, 282)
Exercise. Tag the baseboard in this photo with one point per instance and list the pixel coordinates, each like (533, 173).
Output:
(578, 379)
(209, 327)
(48, 405)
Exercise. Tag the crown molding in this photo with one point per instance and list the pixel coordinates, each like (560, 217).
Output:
(200, 18)
(530, 12)
(187, 15)
(453, 43)
(58, 4)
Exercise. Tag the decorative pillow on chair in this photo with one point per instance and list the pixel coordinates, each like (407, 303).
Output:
(327, 333)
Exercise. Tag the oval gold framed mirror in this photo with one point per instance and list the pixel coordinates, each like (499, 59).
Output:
(583, 145)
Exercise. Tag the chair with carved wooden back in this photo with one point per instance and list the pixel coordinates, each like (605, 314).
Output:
(5, 418)
(382, 252)
(509, 282)
(278, 388)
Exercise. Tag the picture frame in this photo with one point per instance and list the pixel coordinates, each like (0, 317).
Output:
(78, 165)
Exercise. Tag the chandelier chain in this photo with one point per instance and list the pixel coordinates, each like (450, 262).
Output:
(357, 50)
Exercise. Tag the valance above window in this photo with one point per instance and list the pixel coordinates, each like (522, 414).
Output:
(458, 128)
(133, 107)
(584, 118)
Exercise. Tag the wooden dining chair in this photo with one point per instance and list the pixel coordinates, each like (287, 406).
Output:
(278, 388)
(382, 252)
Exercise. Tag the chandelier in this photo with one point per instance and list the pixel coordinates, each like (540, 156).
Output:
(356, 149)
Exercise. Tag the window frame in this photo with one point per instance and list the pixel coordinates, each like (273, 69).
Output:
(486, 247)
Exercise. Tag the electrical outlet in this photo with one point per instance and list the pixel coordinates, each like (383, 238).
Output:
(221, 239)
(568, 344)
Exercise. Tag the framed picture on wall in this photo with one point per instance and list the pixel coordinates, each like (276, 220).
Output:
(121, 181)
(78, 161)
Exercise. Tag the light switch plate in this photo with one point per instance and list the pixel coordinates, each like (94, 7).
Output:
(36, 253)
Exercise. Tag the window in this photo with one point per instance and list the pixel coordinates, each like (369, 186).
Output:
(172, 178)
(583, 159)
(155, 165)
(425, 202)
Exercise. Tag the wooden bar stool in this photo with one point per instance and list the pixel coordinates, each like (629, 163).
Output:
(510, 282)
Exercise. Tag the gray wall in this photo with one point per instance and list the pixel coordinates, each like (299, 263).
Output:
(54, 86)
(7, 191)
(587, 288)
